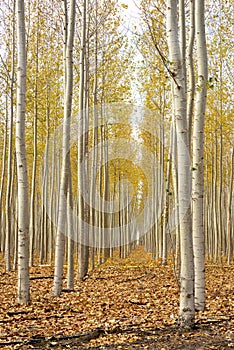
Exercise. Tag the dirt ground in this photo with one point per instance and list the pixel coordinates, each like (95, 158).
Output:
(130, 304)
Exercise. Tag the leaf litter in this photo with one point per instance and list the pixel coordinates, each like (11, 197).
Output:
(123, 304)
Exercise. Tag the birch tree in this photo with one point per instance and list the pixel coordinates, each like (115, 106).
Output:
(83, 250)
(178, 83)
(32, 223)
(198, 157)
(10, 152)
(62, 211)
(22, 178)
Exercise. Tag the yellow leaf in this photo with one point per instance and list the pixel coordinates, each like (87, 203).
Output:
(125, 6)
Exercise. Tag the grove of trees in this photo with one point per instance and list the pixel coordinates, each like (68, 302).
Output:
(116, 134)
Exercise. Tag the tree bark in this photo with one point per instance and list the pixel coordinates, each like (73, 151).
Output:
(63, 202)
(83, 249)
(198, 158)
(23, 215)
(32, 223)
(187, 311)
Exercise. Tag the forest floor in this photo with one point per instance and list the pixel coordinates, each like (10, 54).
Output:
(122, 304)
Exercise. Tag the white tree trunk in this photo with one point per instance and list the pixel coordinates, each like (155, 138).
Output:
(3, 174)
(22, 178)
(191, 75)
(63, 202)
(229, 213)
(32, 223)
(198, 158)
(70, 241)
(83, 250)
(187, 312)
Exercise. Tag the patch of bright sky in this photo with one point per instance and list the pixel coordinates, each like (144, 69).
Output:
(130, 16)
(131, 26)
(131, 11)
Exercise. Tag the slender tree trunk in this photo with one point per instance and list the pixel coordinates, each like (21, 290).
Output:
(95, 141)
(62, 211)
(182, 38)
(166, 208)
(83, 249)
(23, 215)
(187, 311)
(191, 82)
(34, 170)
(70, 233)
(10, 156)
(216, 242)
(2, 185)
(230, 213)
(6, 249)
(174, 172)
(220, 192)
(198, 159)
